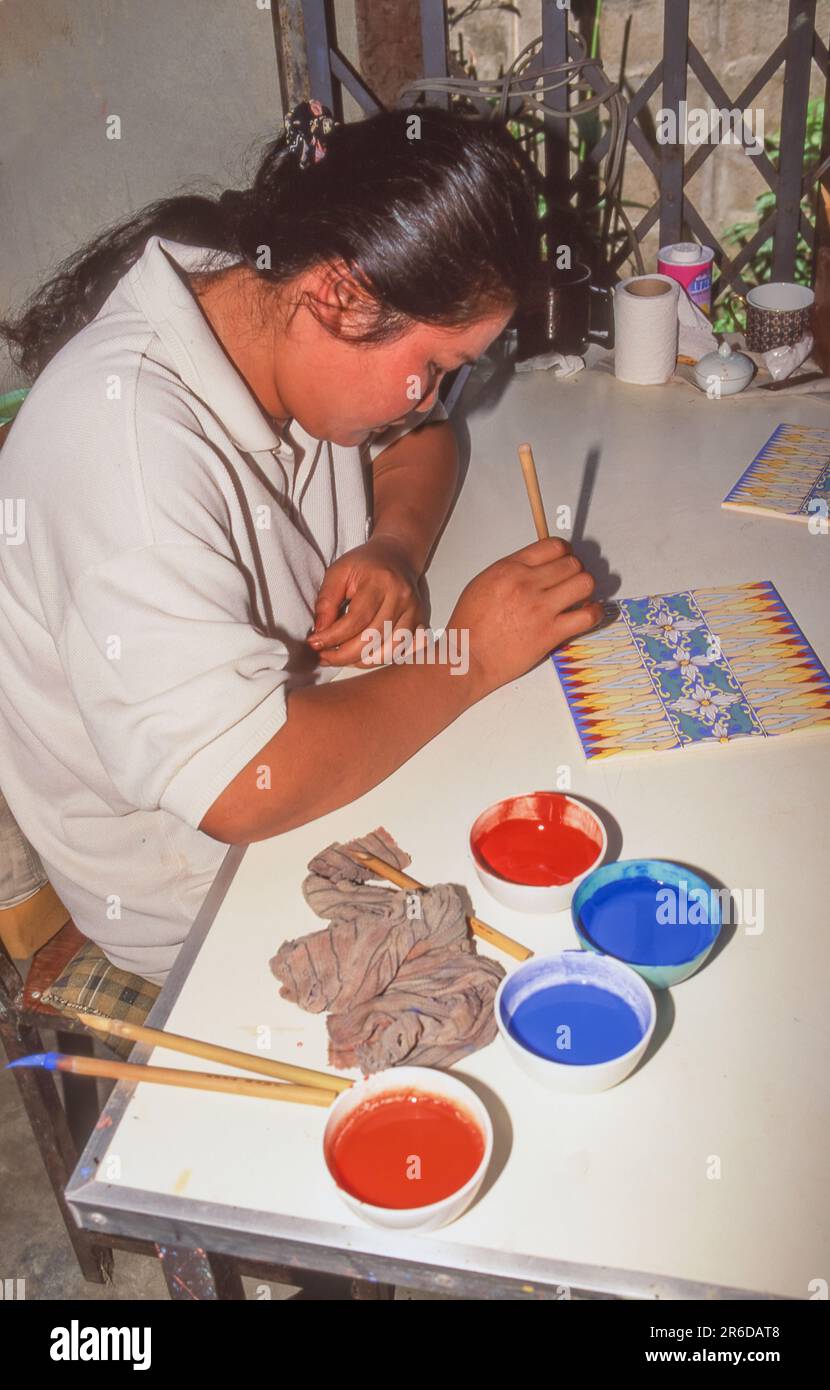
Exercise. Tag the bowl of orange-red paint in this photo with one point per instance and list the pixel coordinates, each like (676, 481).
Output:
(530, 852)
(408, 1148)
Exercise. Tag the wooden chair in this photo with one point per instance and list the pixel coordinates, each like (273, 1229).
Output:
(38, 932)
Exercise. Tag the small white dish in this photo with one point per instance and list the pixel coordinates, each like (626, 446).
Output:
(431, 1082)
(723, 373)
(575, 967)
(546, 807)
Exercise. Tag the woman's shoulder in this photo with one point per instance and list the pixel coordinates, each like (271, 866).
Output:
(93, 389)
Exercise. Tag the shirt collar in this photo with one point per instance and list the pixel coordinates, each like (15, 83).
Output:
(173, 311)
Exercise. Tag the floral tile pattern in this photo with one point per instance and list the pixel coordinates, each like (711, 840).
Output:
(690, 673)
(700, 666)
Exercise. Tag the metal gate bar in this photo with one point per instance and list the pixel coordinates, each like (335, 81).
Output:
(309, 59)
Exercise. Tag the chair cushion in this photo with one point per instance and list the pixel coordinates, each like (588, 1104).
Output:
(92, 984)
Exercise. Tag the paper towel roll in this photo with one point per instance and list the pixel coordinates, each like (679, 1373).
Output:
(645, 328)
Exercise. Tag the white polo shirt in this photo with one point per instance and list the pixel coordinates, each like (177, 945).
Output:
(161, 553)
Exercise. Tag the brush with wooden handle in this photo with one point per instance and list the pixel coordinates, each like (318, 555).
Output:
(534, 492)
(478, 928)
(213, 1052)
(170, 1076)
(537, 507)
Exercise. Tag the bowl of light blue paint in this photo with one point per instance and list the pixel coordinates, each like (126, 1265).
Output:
(657, 917)
(575, 1021)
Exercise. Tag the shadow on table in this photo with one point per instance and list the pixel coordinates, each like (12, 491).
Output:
(663, 997)
(502, 1129)
(662, 1027)
(584, 547)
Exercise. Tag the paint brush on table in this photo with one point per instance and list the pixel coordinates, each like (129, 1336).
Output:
(170, 1076)
(478, 928)
(537, 507)
(213, 1052)
(534, 492)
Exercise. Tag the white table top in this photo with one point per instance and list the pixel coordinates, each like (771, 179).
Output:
(738, 1072)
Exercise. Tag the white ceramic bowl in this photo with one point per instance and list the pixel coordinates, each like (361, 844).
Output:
(434, 1083)
(530, 897)
(575, 967)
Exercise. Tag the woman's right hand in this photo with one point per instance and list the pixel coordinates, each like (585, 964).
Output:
(516, 610)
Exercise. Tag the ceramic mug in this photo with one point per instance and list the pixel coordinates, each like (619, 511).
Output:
(560, 316)
(777, 315)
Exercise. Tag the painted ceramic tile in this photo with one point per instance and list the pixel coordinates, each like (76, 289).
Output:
(701, 666)
(789, 477)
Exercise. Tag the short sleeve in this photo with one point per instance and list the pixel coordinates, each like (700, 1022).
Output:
(413, 421)
(177, 690)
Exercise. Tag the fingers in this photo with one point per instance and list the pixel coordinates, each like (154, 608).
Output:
(363, 609)
(348, 654)
(330, 597)
(577, 621)
(372, 604)
(572, 587)
(542, 552)
(325, 612)
(379, 651)
(555, 572)
(570, 592)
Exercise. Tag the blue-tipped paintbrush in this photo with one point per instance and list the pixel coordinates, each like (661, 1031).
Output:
(172, 1076)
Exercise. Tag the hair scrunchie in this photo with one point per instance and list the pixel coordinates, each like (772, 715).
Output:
(307, 126)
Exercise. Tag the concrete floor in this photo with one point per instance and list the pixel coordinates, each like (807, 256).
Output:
(34, 1245)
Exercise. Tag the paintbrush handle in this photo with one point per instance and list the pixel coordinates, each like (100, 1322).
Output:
(197, 1081)
(533, 491)
(384, 870)
(498, 938)
(478, 928)
(212, 1052)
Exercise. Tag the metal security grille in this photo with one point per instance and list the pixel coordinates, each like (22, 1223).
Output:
(310, 62)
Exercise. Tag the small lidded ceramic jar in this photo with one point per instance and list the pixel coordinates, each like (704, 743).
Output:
(723, 373)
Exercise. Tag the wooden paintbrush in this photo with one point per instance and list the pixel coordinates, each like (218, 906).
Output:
(533, 491)
(169, 1076)
(478, 928)
(246, 1061)
(537, 507)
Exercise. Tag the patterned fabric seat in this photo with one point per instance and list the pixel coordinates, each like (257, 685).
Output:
(91, 984)
(66, 972)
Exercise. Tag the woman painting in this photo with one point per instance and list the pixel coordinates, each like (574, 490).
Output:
(198, 558)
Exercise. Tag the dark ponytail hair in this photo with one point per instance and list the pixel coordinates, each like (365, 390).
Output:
(432, 213)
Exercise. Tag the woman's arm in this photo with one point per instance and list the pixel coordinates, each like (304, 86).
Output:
(340, 739)
(343, 738)
(414, 482)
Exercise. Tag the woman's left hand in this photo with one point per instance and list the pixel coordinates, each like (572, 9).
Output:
(381, 585)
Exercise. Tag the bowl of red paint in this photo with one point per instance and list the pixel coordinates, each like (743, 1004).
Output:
(531, 851)
(408, 1148)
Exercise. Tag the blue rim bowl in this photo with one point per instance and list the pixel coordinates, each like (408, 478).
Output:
(678, 948)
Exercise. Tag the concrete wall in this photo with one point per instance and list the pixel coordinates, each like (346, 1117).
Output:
(733, 36)
(193, 81)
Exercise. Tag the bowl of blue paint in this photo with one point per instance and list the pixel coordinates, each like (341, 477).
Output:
(575, 1021)
(657, 917)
